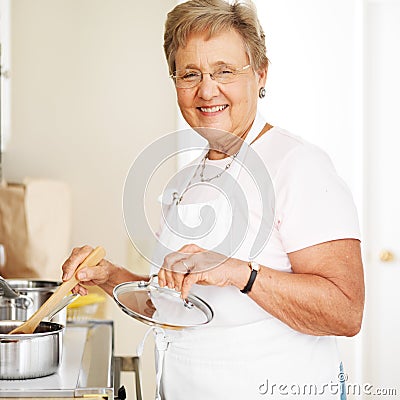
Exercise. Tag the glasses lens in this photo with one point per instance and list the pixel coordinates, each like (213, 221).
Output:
(187, 79)
(224, 75)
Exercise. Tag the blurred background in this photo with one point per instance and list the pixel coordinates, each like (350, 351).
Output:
(85, 88)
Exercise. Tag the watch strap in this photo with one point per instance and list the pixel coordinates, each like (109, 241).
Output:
(253, 276)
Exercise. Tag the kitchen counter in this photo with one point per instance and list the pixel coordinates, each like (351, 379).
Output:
(86, 369)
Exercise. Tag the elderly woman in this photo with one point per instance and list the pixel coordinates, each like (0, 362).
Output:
(276, 314)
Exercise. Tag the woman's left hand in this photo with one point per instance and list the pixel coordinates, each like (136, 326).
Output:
(191, 264)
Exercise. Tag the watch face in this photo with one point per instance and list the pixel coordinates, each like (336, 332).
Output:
(255, 266)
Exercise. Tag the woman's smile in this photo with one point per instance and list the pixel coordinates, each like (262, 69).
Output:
(212, 110)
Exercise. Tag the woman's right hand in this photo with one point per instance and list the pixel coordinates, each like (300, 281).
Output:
(90, 276)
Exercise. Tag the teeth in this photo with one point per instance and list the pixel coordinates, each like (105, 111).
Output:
(212, 109)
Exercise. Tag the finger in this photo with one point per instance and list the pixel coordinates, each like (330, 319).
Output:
(175, 266)
(187, 284)
(169, 279)
(165, 278)
(166, 272)
(98, 274)
(177, 280)
(179, 270)
(161, 278)
(79, 289)
(185, 267)
(83, 291)
(74, 260)
(75, 290)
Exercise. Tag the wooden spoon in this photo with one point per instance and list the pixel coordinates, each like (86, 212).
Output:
(31, 324)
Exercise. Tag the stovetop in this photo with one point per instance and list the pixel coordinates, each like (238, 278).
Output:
(86, 367)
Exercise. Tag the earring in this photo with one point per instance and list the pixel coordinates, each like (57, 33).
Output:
(261, 92)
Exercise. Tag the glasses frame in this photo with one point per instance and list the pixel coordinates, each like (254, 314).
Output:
(236, 72)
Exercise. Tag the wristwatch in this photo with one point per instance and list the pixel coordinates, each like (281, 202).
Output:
(255, 267)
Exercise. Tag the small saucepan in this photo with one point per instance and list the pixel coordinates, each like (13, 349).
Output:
(33, 293)
(33, 355)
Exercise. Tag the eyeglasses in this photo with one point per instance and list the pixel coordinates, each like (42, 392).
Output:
(190, 78)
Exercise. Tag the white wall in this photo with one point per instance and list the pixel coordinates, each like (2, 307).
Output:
(313, 81)
(90, 89)
(314, 89)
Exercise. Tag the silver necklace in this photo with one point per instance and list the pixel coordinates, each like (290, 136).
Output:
(203, 166)
(178, 198)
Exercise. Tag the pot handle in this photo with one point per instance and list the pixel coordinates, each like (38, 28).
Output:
(6, 290)
(153, 280)
(23, 302)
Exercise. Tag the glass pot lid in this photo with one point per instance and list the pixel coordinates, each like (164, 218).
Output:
(149, 303)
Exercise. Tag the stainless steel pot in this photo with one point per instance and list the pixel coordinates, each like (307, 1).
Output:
(33, 294)
(30, 355)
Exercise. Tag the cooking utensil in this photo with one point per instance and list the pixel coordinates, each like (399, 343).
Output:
(30, 355)
(10, 300)
(9, 311)
(32, 294)
(30, 325)
(66, 301)
(147, 302)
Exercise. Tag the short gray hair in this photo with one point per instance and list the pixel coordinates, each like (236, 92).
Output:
(213, 17)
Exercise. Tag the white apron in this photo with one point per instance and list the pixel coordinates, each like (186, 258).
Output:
(261, 360)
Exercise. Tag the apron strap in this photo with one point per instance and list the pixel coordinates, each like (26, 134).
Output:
(161, 345)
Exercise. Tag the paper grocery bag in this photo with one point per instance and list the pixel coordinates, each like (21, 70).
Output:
(35, 228)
